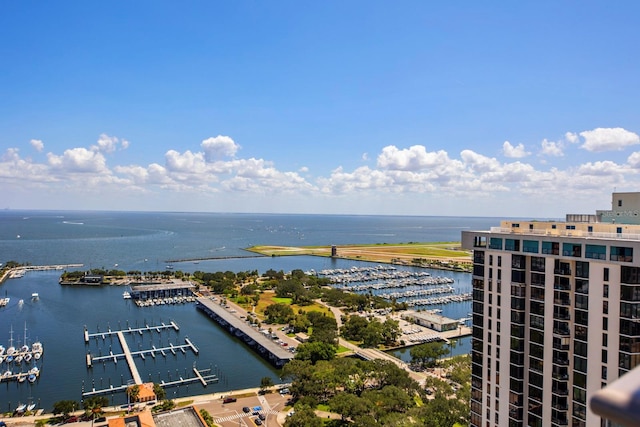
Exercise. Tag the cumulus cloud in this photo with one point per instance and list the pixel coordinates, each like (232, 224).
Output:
(186, 162)
(571, 137)
(78, 160)
(414, 158)
(109, 144)
(219, 147)
(634, 159)
(37, 144)
(551, 148)
(516, 152)
(608, 139)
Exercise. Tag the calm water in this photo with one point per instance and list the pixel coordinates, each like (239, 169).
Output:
(145, 241)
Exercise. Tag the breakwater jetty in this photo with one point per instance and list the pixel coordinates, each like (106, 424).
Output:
(18, 272)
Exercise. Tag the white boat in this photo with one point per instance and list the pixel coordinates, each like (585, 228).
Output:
(126, 295)
(21, 407)
(37, 356)
(37, 349)
(31, 406)
(28, 357)
(2, 350)
(32, 378)
(35, 296)
(18, 359)
(22, 378)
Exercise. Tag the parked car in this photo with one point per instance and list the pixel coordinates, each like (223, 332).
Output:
(229, 400)
(246, 409)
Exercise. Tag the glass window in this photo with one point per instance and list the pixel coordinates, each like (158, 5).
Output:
(571, 249)
(495, 243)
(512, 244)
(595, 252)
(530, 246)
(619, 253)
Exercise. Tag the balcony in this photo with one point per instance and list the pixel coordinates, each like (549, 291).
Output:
(559, 421)
(560, 361)
(560, 391)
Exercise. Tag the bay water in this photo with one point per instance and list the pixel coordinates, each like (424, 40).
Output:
(148, 241)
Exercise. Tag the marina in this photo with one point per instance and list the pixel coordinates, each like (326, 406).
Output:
(128, 356)
(143, 242)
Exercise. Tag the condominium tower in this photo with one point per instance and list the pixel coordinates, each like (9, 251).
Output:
(556, 315)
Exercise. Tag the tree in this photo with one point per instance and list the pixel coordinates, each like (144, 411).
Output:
(303, 417)
(315, 351)
(278, 313)
(390, 331)
(93, 405)
(265, 383)
(65, 407)
(353, 328)
(427, 354)
(350, 406)
(133, 392)
(159, 391)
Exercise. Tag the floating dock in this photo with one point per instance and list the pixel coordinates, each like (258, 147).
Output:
(145, 328)
(201, 376)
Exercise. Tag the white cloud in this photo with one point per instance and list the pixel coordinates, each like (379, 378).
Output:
(516, 152)
(412, 159)
(551, 148)
(634, 159)
(571, 137)
(187, 162)
(219, 147)
(37, 144)
(608, 139)
(78, 160)
(109, 144)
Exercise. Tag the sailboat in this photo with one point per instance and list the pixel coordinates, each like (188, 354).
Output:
(31, 406)
(21, 407)
(11, 348)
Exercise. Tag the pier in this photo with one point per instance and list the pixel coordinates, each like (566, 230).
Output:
(263, 344)
(202, 376)
(127, 354)
(145, 328)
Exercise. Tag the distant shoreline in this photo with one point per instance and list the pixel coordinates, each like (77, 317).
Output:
(436, 255)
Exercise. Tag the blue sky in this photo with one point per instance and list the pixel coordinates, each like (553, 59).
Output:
(360, 107)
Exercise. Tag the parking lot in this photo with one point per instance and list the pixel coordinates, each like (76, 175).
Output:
(232, 414)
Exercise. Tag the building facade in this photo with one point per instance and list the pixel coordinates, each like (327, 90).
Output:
(556, 317)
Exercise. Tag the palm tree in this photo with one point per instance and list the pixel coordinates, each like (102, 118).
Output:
(93, 406)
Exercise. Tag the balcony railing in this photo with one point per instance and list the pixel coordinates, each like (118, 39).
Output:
(566, 233)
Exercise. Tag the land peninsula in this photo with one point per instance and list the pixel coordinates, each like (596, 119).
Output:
(440, 255)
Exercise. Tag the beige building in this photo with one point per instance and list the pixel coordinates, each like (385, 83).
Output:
(556, 315)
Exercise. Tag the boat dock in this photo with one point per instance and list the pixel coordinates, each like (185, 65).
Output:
(128, 355)
(202, 376)
(145, 328)
(199, 377)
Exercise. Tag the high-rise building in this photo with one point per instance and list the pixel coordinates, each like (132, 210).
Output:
(556, 315)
